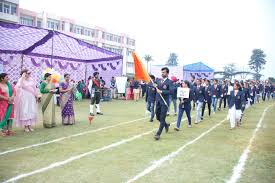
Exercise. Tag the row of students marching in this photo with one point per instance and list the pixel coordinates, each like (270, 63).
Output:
(237, 96)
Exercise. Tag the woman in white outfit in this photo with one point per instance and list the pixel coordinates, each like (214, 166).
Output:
(235, 103)
(26, 102)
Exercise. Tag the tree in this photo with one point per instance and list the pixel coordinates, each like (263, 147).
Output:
(173, 59)
(257, 62)
(148, 58)
(229, 70)
(271, 79)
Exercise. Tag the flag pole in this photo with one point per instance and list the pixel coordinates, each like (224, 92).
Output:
(160, 94)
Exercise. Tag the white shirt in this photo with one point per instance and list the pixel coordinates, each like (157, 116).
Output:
(230, 88)
(90, 86)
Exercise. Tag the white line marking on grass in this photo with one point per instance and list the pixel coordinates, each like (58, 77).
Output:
(237, 171)
(159, 162)
(73, 158)
(68, 137)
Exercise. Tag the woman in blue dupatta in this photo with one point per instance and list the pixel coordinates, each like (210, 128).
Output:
(66, 101)
(7, 94)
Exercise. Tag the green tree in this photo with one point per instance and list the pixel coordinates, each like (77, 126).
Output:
(257, 62)
(271, 79)
(229, 70)
(148, 58)
(173, 59)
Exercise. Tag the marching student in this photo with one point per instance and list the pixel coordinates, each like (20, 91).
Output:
(192, 87)
(151, 97)
(173, 98)
(164, 88)
(199, 99)
(258, 94)
(223, 92)
(236, 102)
(216, 94)
(94, 88)
(207, 99)
(252, 93)
(184, 106)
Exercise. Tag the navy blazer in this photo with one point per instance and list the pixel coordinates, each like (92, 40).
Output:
(224, 90)
(167, 89)
(199, 94)
(237, 100)
(150, 93)
(187, 101)
(207, 93)
(246, 93)
(216, 90)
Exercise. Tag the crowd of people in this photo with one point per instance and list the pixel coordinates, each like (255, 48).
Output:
(215, 94)
(19, 101)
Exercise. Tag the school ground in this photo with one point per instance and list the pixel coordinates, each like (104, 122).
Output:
(119, 147)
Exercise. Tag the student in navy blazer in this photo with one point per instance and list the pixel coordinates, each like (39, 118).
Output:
(207, 99)
(235, 103)
(151, 98)
(216, 94)
(199, 99)
(165, 88)
(185, 105)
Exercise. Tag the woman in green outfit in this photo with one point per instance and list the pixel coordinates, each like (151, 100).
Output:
(47, 89)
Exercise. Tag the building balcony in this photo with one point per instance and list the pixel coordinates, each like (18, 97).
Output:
(9, 18)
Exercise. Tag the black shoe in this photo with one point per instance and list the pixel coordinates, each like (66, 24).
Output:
(99, 113)
(201, 118)
(151, 120)
(156, 137)
(176, 129)
(219, 109)
(91, 114)
(167, 128)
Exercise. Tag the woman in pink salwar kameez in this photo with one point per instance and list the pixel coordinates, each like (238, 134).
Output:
(26, 102)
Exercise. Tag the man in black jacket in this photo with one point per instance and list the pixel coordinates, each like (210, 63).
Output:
(164, 88)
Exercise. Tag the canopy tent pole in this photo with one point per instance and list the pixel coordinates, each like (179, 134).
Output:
(22, 61)
(85, 72)
(52, 50)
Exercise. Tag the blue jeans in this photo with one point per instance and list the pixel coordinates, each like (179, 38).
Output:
(199, 111)
(174, 103)
(181, 111)
(151, 107)
(214, 103)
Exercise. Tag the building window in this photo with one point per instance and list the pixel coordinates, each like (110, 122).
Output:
(63, 25)
(39, 23)
(27, 20)
(130, 42)
(13, 9)
(130, 64)
(53, 24)
(7, 8)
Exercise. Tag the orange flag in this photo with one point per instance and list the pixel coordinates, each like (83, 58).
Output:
(140, 71)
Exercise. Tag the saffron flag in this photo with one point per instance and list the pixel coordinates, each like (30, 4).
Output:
(140, 71)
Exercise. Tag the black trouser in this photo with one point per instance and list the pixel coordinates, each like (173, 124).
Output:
(209, 108)
(263, 96)
(161, 111)
(252, 100)
(96, 98)
(224, 102)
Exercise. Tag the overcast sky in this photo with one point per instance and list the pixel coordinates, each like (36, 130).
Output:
(216, 32)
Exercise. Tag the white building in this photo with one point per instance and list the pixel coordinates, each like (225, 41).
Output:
(115, 42)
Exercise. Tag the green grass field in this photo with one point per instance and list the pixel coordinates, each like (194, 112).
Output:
(209, 159)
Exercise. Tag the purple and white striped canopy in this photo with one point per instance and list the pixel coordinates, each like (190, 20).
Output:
(20, 39)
